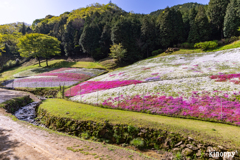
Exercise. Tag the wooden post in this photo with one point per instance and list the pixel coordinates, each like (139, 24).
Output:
(80, 94)
(143, 100)
(97, 97)
(63, 91)
(118, 98)
(221, 108)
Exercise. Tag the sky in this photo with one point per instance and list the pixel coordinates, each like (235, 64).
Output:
(28, 10)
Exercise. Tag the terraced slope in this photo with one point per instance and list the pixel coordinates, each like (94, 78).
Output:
(201, 86)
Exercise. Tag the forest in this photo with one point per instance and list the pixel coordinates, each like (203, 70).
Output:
(93, 30)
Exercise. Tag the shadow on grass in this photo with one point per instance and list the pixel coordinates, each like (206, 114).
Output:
(62, 64)
(7, 146)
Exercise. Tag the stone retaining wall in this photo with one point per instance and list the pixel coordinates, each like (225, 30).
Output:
(182, 147)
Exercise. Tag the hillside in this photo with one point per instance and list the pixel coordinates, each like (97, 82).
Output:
(193, 94)
(181, 7)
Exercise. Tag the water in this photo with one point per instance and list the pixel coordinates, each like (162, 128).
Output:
(28, 113)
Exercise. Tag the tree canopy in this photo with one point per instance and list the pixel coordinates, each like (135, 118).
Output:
(38, 45)
(92, 30)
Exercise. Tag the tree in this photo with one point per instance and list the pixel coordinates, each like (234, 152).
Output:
(117, 51)
(1, 45)
(23, 29)
(38, 45)
(202, 24)
(127, 31)
(171, 27)
(105, 42)
(217, 12)
(232, 19)
(89, 39)
(193, 35)
(49, 46)
(148, 36)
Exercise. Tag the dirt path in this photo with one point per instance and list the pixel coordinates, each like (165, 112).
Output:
(21, 141)
(10, 94)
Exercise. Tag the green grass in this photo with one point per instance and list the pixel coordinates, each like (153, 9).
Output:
(235, 44)
(223, 134)
(55, 64)
(181, 51)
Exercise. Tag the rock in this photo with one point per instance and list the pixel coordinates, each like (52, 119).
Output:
(167, 142)
(187, 152)
(206, 155)
(168, 156)
(222, 148)
(178, 144)
(210, 149)
(199, 153)
(182, 146)
(175, 150)
(190, 139)
(216, 149)
(192, 147)
(200, 146)
(143, 131)
(160, 139)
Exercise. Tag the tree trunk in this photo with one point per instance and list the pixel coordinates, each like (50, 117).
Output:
(47, 62)
(39, 61)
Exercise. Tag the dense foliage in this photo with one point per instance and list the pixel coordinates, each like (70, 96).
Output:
(38, 45)
(91, 31)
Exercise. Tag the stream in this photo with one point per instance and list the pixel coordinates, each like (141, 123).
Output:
(28, 114)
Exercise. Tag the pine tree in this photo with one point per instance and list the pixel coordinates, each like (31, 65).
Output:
(148, 36)
(192, 15)
(232, 19)
(89, 39)
(217, 12)
(23, 29)
(166, 28)
(178, 27)
(193, 35)
(204, 29)
(171, 27)
(127, 31)
(105, 42)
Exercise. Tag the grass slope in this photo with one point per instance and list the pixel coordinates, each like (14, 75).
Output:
(200, 130)
(235, 44)
(55, 64)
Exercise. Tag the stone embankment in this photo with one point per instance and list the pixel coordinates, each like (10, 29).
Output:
(183, 146)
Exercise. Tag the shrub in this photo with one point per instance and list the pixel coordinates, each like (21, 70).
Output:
(232, 39)
(85, 135)
(137, 142)
(186, 45)
(206, 45)
(157, 52)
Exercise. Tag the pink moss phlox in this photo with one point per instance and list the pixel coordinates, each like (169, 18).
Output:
(92, 86)
(203, 107)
